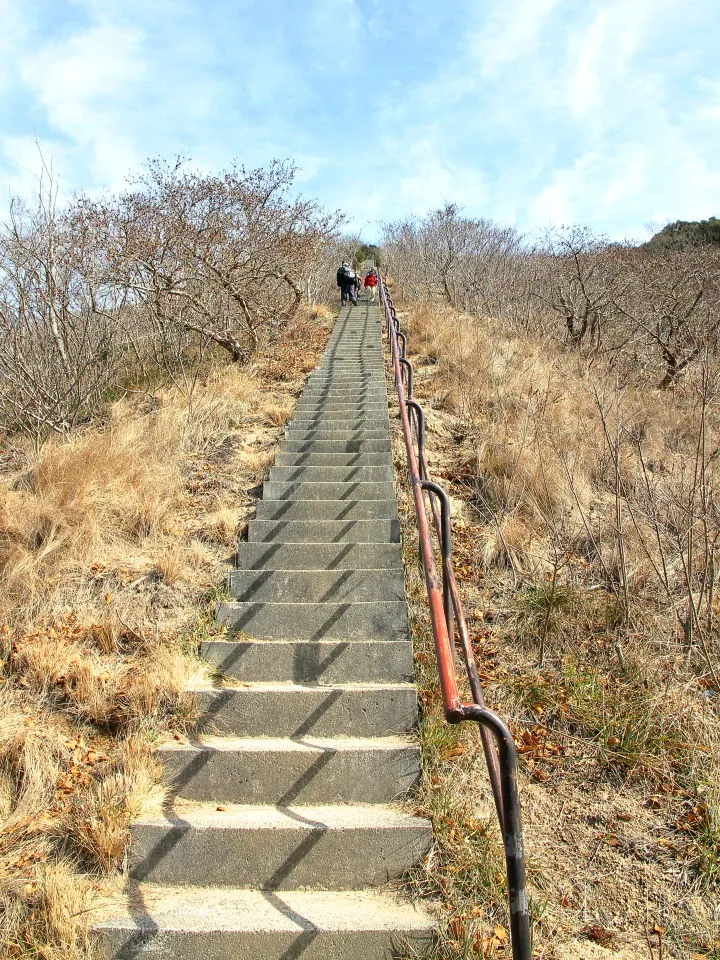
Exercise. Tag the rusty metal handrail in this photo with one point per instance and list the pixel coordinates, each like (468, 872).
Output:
(448, 623)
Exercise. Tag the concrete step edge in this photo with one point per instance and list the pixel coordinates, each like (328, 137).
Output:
(316, 662)
(336, 556)
(200, 685)
(156, 909)
(349, 491)
(325, 531)
(316, 620)
(334, 459)
(308, 745)
(248, 817)
(316, 586)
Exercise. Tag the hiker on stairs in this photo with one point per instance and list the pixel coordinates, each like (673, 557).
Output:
(347, 281)
(371, 284)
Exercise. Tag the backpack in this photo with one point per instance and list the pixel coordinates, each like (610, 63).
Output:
(346, 273)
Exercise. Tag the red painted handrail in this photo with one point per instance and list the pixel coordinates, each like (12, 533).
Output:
(448, 622)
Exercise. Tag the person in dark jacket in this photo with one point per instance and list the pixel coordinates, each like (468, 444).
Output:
(347, 281)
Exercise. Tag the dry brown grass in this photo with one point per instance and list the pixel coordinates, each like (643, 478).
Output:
(570, 487)
(112, 543)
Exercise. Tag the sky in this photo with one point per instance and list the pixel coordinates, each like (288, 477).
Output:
(604, 113)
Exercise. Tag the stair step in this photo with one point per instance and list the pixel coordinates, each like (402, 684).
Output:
(336, 378)
(348, 397)
(296, 710)
(324, 531)
(316, 586)
(303, 474)
(318, 393)
(371, 430)
(346, 490)
(309, 555)
(333, 459)
(166, 923)
(376, 399)
(312, 661)
(340, 416)
(351, 366)
(328, 847)
(348, 375)
(328, 620)
(374, 445)
(361, 408)
(364, 354)
(321, 509)
(330, 381)
(381, 422)
(370, 422)
(340, 406)
(359, 390)
(282, 771)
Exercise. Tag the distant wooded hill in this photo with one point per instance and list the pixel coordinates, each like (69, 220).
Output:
(684, 233)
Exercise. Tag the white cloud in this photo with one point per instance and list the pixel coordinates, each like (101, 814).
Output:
(709, 111)
(335, 33)
(600, 53)
(74, 79)
(617, 191)
(12, 38)
(512, 35)
(429, 177)
(585, 87)
(81, 81)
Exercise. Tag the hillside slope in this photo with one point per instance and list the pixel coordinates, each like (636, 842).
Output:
(113, 543)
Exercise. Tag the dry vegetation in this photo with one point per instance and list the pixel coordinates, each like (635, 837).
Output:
(113, 542)
(586, 536)
(101, 295)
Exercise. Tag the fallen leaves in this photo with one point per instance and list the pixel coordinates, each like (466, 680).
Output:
(600, 935)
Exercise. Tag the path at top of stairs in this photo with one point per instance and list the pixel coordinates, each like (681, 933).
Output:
(284, 826)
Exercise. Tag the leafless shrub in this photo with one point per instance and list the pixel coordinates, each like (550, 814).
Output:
(101, 293)
(221, 257)
(60, 339)
(468, 264)
(578, 277)
(647, 313)
(670, 307)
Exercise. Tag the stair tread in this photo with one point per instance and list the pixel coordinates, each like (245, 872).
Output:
(308, 744)
(199, 815)
(148, 906)
(202, 685)
(330, 556)
(322, 604)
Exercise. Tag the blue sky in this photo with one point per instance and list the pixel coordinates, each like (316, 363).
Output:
(531, 112)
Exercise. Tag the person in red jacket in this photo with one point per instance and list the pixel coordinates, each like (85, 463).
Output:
(371, 284)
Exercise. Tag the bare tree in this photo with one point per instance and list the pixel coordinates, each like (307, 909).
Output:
(578, 278)
(224, 257)
(60, 340)
(672, 300)
(469, 264)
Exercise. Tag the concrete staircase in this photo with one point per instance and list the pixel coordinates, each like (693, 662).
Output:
(284, 828)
